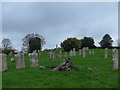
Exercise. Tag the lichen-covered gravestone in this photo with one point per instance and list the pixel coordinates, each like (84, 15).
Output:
(106, 53)
(33, 60)
(115, 59)
(3, 65)
(19, 58)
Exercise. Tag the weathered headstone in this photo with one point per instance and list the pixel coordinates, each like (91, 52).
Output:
(64, 66)
(12, 59)
(52, 56)
(106, 53)
(84, 54)
(115, 59)
(19, 58)
(60, 54)
(93, 52)
(90, 52)
(33, 59)
(80, 52)
(65, 54)
(3, 65)
(74, 52)
(71, 53)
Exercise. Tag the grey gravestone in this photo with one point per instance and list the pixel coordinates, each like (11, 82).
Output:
(80, 52)
(106, 53)
(33, 59)
(115, 59)
(52, 56)
(19, 58)
(3, 63)
(71, 53)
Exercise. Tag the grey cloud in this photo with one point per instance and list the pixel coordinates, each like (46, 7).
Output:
(58, 21)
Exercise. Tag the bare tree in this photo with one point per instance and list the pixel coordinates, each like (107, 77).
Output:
(6, 44)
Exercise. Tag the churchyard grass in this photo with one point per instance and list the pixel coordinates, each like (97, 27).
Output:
(101, 77)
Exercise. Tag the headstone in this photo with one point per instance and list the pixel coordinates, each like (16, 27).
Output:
(19, 58)
(106, 53)
(80, 52)
(93, 52)
(33, 60)
(71, 53)
(3, 62)
(74, 52)
(64, 66)
(12, 59)
(60, 54)
(65, 54)
(52, 56)
(84, 54)
(90, 52)
(115, 59)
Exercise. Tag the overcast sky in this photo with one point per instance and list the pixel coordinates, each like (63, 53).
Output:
(57, 21)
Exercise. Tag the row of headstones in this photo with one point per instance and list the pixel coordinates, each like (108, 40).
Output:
(72, 53)
(19, 59)
(81, 52)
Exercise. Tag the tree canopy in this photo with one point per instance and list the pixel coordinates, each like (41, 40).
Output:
(106, 41)
(6, 44)
(88, 42)
(71, 43)
(33, 42)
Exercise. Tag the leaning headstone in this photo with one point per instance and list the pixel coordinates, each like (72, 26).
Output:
(64, 66)
(3, 62)
(19, 58)
(33, 60)
(115, 59)
(106, 53)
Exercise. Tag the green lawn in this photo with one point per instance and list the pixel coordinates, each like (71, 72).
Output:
(101, 77)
